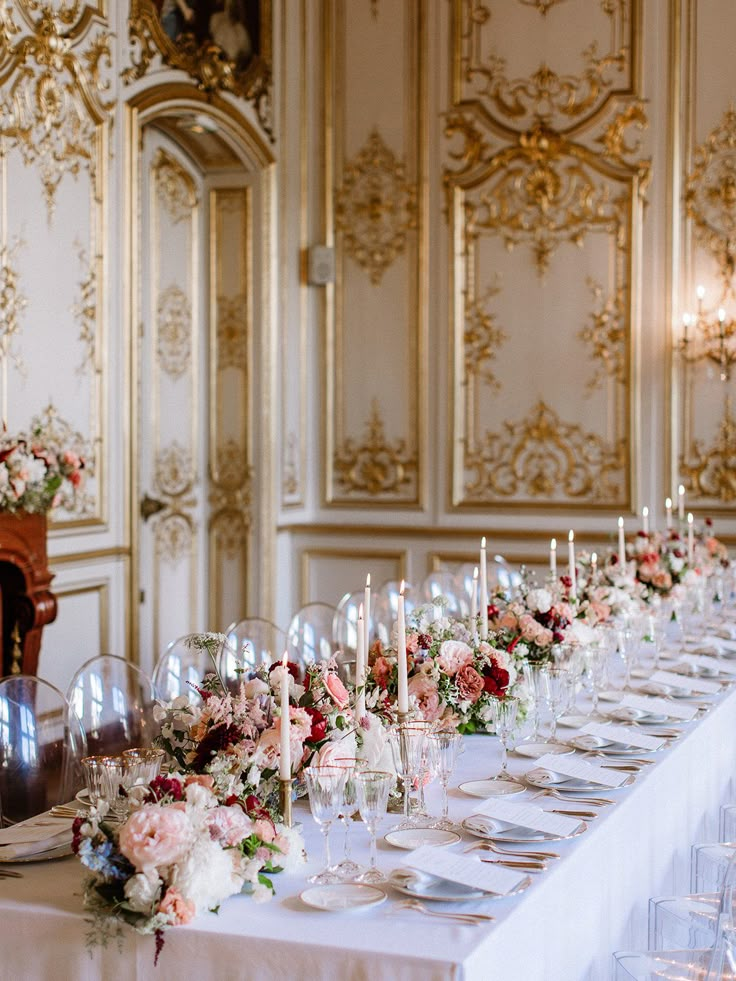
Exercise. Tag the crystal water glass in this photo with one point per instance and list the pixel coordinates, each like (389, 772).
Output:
(534, 683)
(95, 777)
(445, 747)
(407, 744)
(326, 787)
(144, 765)
(504, 713)
(346, 868)
(626, 647)
(557, 686)
(373, 788)
(118, 773)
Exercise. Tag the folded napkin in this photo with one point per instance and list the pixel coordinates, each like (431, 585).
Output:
(35, 836)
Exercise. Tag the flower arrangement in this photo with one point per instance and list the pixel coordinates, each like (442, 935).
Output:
(453, 677)
(179, 853)
(531, 624)
(660, 562)
(37, 473)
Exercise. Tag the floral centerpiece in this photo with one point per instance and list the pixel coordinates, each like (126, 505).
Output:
(533, 622)
(180, 853)
(452, 675)
(660, 562)
(37, 473)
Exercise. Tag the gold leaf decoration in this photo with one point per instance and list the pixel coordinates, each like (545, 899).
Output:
(174, 537)
(605, 334)
(174, 187)
(710, 196)
(174, 471)
(232, 337)
(174, 327)
(374, 466)
(290, 483)
(12, 303)
(544, 457)
(375, 207)
(54, 95)
(84, 311)
(543, 6)
(231, 499)
(710, 471)
(482, 338)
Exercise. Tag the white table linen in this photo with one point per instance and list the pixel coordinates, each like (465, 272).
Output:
(563, 928)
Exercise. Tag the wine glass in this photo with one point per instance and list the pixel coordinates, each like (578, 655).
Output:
(627, 651)
(407, 748)
(372, 788)
(446, 746)
(325, 786)
(347, 868)
(596, 672)
(557, 691)
(426, 770)
(534, 684)
(504, 713)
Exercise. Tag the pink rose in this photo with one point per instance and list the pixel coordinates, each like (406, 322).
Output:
(469, 684)
(179, 909)
(265, 830)
(337, 690)
(154, 836)
(647, 571)
(229, 825)
(544, 637)
(454, 654)
(333, 753)
(601, 610)
(427, 696)
(662, 580)
(508, 621)
(529, 628)
(381, 671)
(412, 643)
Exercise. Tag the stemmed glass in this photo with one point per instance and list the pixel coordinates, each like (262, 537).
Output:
(504, 712)
(534, 684)
(596, 672)
(372, 788)
(347, 868)
(446, 746)
(557, 691)
(407, 744)
(426, 770)
(326, 786)
(627, 652)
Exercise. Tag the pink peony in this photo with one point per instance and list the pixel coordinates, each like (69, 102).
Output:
(265, 830)
(425, 691)
(544, 637)
(412, 643)
(154, 836)
(508, 621)
(332, 753)
(179, 909)
(337, 690)
(469, 684)
(662, 580)
(229, 825)
(647, 571)
(454, 654)
(529, 628)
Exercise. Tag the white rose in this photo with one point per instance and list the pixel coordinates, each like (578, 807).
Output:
(539, 600)
(142, 891)
(254, 688)
(676, 564)
(373, 741)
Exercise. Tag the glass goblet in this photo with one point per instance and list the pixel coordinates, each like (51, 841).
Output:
(557, 685)
(446, 746)
(504, 713)
(325, 786)
(373, 788)
(95, 777)
(534, 684)
(346, 868)
(627, 652)
(144, 765)
(407, 748)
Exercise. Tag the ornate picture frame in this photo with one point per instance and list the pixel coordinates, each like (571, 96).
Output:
(225, 45)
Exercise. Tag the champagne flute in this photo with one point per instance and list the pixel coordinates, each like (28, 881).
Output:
(446, 746)
(557, 692)
(325, 786)
(372, 788)
(504, 713)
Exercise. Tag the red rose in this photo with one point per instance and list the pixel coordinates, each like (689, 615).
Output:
(489, 685)
(425, 641)
(501, 677)
(319, 725)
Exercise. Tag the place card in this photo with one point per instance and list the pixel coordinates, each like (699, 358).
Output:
(709, 663)
(699, 685)
(463, 869)
(623, 734)
(572, 766)
(659, 706)
(528, 816)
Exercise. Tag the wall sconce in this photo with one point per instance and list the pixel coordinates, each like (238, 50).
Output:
(709, 334)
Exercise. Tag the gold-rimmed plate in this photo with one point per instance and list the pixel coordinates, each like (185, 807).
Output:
(491, 830)
(549, 780)
(420, 885)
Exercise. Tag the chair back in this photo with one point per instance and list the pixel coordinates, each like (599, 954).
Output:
(346, 619)
(185, 663)
(309, 637)
(387, 607)
(251, 644)
(114, 701)
(444, 583)
(723, 959)
(41, 745)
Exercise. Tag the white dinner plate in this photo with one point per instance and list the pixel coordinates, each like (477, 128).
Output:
(624, 713)
(59, 851)
(610, 747)
(340, 896)
(491, 788)
(491, 830)
(548, 779)
(420, 885)
(535, 750)
(574, 721)
(662, 690)
(411, 838)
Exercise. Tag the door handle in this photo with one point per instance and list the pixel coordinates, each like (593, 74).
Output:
(151, 506)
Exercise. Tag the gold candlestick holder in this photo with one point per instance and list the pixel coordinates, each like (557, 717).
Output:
(403, 717)
(285, 787)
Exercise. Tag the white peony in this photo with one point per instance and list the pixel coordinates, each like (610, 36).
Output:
(373, 741)
(142, 891)
(539, 600)
(206, 876)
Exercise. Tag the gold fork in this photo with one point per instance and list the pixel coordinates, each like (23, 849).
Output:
(490, 846)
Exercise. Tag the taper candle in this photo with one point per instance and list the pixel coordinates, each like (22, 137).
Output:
(621, 543)
(285, 754)
(571, 565)
(367, 614)
(681, 502)
(553, 558)
(474, 604)
(645, 520)
(401, 645)
(360, 663)
(483, 600)
(668, 512)
(690, 541)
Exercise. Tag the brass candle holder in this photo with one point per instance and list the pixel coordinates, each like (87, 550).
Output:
(285, 788)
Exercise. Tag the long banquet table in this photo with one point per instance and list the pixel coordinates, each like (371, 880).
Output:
(564, 927)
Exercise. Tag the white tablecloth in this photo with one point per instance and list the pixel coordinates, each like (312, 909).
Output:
(563, 928)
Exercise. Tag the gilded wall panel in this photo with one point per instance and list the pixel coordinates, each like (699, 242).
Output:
(544, 179)
(704, 328)
(376, 211)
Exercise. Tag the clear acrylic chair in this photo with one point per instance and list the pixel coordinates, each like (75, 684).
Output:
(114, 701)
(41, 745)
(714, 962)
(727, 823)
(309, 637)
(185, 663)
(252, 643)
(444, 583)
(387, 607)
(348, 607)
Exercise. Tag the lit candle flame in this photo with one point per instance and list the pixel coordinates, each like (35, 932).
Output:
(571, 536)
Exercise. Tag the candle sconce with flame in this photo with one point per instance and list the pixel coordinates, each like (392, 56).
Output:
(709, 334)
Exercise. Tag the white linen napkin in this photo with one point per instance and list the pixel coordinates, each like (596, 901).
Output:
(38, 834)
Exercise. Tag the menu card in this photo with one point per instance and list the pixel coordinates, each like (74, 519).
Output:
(685, 683)
(528, 816)
(463, 869)
(623, 734)
(573, 766)
(710, 663)
(659, 706)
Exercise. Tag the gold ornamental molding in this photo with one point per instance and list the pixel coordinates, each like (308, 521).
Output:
(375, 207)
(232, 331)
(710, 471)
(231, 500)
(174, 187)
(84, 311)
(482, 339)
(605, 336)
(543, 6)
(245, 71)
(537, 455)
(174, 331)
(710, 197)
(375, 467)
(12, 304)
(54, 94)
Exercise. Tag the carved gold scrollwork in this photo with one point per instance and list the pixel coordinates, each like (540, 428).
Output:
(54, 99)
(482, 338)
(543, 6)
(231, 499)
(174, 471)
(374, 466)
(174, 479)
(174, 187)
(710, 196)
(174, 328)
(290, 483)
(84, 311)
(12, 303)
(174, 536)
(710, 471)
(543, 457)
(232, 336)
(605, 335)
(375, 207)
